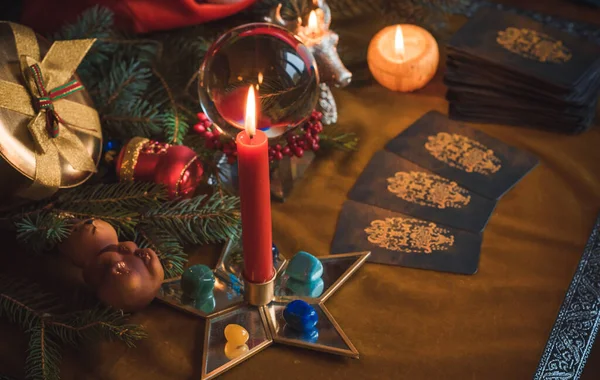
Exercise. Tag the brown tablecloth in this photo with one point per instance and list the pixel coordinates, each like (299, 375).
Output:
(406, 323)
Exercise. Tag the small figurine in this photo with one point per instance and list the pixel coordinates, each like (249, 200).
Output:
(124, 276)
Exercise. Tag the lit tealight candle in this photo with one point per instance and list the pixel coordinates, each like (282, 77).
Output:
(403, 57)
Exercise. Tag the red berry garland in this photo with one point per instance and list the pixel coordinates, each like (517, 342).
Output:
(290, 144)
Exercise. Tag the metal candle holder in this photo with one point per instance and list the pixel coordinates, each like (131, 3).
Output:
(259, 309)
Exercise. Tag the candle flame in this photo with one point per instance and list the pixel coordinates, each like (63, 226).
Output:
(399, 42)
(250, 120)
(313, 25)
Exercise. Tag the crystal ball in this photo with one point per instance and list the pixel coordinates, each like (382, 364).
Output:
(282, 70)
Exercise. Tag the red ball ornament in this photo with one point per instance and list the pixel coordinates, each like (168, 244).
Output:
(180, 170)
(175, 166)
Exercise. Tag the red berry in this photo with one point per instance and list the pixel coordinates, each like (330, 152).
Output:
(216, 132)
(299, 152)
(199, 128)
(286, 150)
(279, 155)
(316, 138)
(234, 154)
(278, 147)
(201, 116)
(207, 123)
(315, 147)
(208, 135)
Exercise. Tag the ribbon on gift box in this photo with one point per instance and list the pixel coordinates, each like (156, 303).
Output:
(54, 119)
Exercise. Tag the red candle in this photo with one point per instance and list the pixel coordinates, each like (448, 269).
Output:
(255, 196)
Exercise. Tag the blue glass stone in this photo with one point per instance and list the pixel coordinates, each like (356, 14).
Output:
(309, 336)
(304, 267)
(311, 289)
(275, 252)
(300, 316)
(198, 282)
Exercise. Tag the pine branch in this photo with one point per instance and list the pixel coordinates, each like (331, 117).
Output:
(44, 357)
(167, 247)
(198, 220)
(91, 324)
(24, 303)
(42, 231)
(121, 195)
(96, 22)
(126, 82)
(142, 119)
(38, 313)
(122, 220)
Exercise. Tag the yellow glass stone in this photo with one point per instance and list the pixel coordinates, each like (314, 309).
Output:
(236, 335)
(232, 352)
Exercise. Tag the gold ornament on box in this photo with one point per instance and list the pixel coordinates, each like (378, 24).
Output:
(463, 153)
(409, 235)
(534, 45)
(50, 135)
(429, 190)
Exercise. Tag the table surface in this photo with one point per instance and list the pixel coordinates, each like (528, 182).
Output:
(406, 323)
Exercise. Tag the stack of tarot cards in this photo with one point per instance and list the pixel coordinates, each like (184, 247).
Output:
(504, 68)
(424, 201)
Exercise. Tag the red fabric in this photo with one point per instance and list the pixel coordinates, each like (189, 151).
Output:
(140, 16)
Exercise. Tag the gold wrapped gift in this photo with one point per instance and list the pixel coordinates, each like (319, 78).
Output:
(50, 135)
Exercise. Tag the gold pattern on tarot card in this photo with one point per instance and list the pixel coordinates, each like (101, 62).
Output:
(429, 190)
(463, 153)
(409, 235)
(533, 45)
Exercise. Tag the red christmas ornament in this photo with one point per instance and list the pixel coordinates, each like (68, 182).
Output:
(175, 166)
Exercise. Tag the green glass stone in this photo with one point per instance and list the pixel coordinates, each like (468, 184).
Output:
(198, 282)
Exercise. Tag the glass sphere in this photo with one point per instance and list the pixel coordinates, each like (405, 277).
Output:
(272, 60)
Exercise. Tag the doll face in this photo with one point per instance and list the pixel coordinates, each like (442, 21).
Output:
(125, 276)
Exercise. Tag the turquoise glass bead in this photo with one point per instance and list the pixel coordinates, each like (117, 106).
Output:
(311, 289)
(300, 316)
(304, 267)
(198, 282)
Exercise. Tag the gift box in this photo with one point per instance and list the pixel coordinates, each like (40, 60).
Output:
(50, 135)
